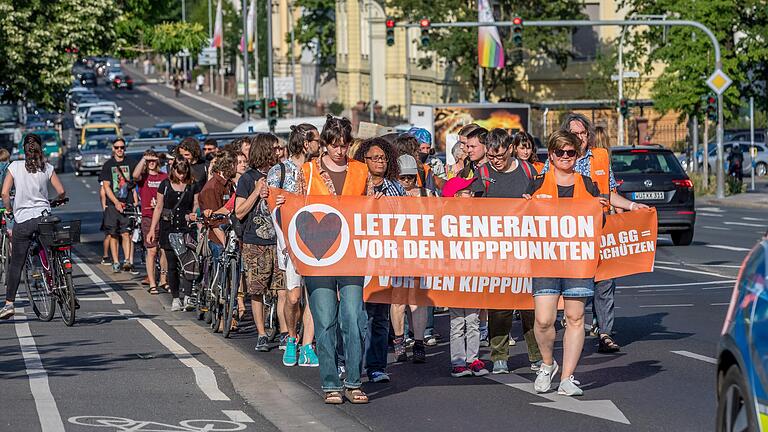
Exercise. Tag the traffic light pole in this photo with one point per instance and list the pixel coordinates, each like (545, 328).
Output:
(246, 114)
(601, 23)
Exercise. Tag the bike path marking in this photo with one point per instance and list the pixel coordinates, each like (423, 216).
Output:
(204, 376)
(695, 356)
(729, 248)
(99, 282)
(604, 409)
(47, 410)
(238, 416)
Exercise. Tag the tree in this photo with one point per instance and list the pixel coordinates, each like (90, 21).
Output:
(173, 37)
(687, 53)
(316, 31)
(34, 38)
(458, 47)
(137, 20)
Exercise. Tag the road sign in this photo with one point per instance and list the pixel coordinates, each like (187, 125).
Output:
(207, 57)
(627, 74)
(283, 86)
(719, 81)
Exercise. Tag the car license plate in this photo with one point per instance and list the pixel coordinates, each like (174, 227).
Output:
(648, 195)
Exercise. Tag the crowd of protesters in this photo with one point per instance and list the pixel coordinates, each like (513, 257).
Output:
(323, 320)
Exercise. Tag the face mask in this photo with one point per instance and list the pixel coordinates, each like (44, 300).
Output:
(209, 157)
(423, 157)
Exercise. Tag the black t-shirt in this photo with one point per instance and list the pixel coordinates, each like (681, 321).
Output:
(171, 198)
(255, 226)
(511, 184)
(119, 175)
(564, 191)
(200, 174)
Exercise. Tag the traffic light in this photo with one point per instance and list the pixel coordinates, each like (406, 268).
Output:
(624, 108)
(273, 109)
(282, 107)
(711, 107)
(517, 32)
(424, 24)
(390, 31)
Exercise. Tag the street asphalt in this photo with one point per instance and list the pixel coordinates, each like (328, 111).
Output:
(130, 358)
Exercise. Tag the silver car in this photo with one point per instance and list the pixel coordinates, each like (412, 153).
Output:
(761, 161)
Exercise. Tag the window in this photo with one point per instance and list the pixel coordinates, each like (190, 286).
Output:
(645, 162)
(585, 40)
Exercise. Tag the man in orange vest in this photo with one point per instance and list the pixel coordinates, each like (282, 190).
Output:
(596, 164)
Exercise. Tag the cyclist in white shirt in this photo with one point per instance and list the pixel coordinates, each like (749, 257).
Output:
(30, 177)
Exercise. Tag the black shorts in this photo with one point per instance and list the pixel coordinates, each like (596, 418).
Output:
(115, 223)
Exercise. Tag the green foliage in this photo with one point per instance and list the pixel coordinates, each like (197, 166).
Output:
(172, 37)
(459, 46)
(733, 186)
(336, 108)
(316, 31)
(688, 55)
(34, 36)
(138, 18)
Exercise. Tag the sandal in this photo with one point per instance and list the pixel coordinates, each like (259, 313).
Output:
(153, 290)
(356, 396)
(333, 398)
(608, 345)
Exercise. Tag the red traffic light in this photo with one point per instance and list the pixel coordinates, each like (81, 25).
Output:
(517, 21)
(390, 23)
(623, 102)
(710, 99)
(424, 22)
(272, 103)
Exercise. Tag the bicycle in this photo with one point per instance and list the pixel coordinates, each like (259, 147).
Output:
(226, 284)
(48, 267)
(134, 223)
(5, 246)
(204, 289)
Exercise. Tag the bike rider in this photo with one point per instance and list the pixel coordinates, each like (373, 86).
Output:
(30, 177)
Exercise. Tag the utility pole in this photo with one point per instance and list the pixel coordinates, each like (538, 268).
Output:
(371, 104)
(752, 138)
(210, 35)
(184, 19)
(620, 129)
(270, 52)
(407, 74)
(246, 114)
(705, 155)
(293, 59)
(694, 164)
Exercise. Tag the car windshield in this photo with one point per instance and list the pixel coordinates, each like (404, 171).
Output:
(101, 118)
(645, 162)
(48, 139)
(185, 132)
(98, 144)
(151, 133)
(100, 131)
(8, 113)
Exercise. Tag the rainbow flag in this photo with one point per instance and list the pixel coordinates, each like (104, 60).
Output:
(490, 52)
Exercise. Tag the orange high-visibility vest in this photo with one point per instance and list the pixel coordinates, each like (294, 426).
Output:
(548, 189)
(539, 166)
(354, 184)
(600, 169)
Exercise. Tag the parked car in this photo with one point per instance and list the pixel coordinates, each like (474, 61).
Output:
(179, 131)
(53, 147)
(652, 175)
(761, 161)
(152, 132)
(742, 354)
(122, 82)
(87, 79)
(91, 155)
(94, 129)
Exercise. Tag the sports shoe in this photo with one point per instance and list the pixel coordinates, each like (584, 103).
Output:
(289, 356)
(512, 341)
(535, 366)
(419, 353)
(378, 377)
(283, 341)
(105, 261)
(134, 271)
(189, 303)
(127, 266)
(570, 387)
(262, 343)
(460, 371)
(400, 354)
(409, 342)
(307, 357)
(176, 305)
(478, 368)
(115, 267)
(7, 311)
(500, 367)
(544, 377)
(484, 342)
(430, 340)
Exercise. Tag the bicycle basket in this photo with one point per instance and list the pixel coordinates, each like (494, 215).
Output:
(62, 233)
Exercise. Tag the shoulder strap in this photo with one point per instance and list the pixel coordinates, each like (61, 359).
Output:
(181, 198)
(423, 192)
(485, 176)
(282, 174)
(527, 169)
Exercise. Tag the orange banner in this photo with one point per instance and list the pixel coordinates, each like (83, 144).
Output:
(395, 236)
(628, 244)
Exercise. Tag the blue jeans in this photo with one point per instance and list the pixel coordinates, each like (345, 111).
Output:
(378, 337)
(567, 287)
(329, 313)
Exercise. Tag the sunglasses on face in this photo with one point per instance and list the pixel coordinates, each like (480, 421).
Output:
(408, 178)
(119, 147)
(560, 152)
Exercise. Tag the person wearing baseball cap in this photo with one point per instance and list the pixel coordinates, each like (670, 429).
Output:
(408, 175)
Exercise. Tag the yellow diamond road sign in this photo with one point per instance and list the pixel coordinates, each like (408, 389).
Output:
(719, 81)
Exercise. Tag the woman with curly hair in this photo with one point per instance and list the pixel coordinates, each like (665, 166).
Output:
(383, 169)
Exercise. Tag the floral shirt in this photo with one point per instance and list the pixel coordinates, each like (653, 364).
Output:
(294, 177)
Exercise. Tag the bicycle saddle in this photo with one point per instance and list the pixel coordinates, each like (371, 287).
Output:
(51, 219)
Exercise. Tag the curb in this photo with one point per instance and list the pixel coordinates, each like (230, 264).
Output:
(753, 204)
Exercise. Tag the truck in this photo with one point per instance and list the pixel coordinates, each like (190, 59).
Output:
(445, 120)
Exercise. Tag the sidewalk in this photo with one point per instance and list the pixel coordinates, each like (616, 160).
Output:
(757, 199)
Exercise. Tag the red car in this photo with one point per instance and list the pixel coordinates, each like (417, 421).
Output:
(122, 81)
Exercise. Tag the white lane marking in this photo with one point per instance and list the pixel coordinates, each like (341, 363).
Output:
(718, 288)
(660, 290)
(694, 271)
(695, 356)
(698, 264)
(745, 224)
(604, 409)
(131, 127)
(710, 215)
(204, 376)
(211, 103)
(730, 248)
(678, 284)
(711, 209)
(47, 410)
(719, 304)
(113, 296)
(87, 185)
(125, 312)
(715, 228)
(238, 416)
(753, 219)
(667, 305)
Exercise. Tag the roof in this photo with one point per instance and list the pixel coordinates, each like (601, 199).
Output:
(658, 147)
(187, 125)
(100, 125)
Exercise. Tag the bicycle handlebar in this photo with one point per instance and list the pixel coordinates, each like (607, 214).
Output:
(57, 202)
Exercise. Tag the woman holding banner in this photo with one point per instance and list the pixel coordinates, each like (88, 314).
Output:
(337, 300)
(561, 181)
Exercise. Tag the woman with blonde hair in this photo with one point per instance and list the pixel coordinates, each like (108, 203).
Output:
(602, 139)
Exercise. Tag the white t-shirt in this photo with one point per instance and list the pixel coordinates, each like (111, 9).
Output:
(31, 191)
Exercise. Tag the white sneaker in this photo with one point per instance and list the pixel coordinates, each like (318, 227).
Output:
(570, 387)
(544, 377)
(189, 304)
(176, 305)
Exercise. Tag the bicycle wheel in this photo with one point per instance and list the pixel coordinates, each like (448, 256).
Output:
(5, 255)
(66, 297)
(230, 307)
(203, 290)
(38, 287)
(217, 299)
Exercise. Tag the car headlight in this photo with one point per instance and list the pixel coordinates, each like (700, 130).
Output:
(78, 157)
(54, 154)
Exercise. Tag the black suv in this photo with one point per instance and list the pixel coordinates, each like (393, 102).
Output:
(652, 175)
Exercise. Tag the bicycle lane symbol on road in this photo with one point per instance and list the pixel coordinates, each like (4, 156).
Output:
(125, 425)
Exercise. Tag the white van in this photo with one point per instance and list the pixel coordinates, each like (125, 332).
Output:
(283, 126)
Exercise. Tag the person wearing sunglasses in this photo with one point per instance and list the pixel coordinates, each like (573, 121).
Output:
(561, 181)
(148, 177)
(115, 179)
